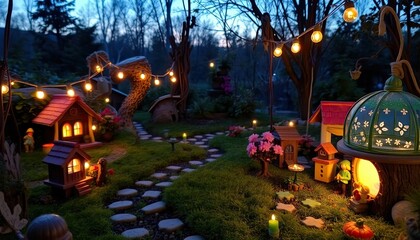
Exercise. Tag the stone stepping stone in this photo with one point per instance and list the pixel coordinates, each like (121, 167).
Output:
(192, 140)
(199, 143)
(313, 222)
(145, 137)
(164, 184)
(120, 205)
(198, 136)
(285, 195)
(127, 192)
(194, 237)
(210, 159)
(209, 135)
(170, 225)
(141, 132)
(204, 140)
(174, 168)
(196, 163)
(216, 155)
(159, 175)
(151, 194)
(311, 203)
(157, 138)
(154, 207)
(144, 183)
(220, 133)
(173, 177)
(286, 207)
(135, 233)
(204, 146)
(188, 170)
(123, 218)
(213, 150)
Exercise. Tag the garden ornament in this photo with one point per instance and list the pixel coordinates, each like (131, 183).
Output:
(343, 176)
(28, 140)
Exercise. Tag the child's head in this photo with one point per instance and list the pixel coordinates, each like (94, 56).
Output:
(345, 165)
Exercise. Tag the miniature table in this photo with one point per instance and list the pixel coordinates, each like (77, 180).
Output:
(296, 168)
(173, 141)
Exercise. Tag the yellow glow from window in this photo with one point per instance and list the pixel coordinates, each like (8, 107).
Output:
(67, 131)
(73, 166)
(367, 174)
(78, 129)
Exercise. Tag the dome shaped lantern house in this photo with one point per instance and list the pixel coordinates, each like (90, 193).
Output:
(382, 133)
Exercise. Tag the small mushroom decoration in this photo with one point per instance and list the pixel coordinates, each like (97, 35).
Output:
(357, 229)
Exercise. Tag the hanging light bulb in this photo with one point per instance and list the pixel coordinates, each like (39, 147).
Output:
(173, 79)
(88, 85)
(98, 68)
(171, 73)
(70, 91)
(295, 46)
(40, 94)
(211, 64)
(4, 89)
(93, 127)
(278, 50)
(120, 75)
(316, 36)
(157, 81)
(142, 76)
(350, 12)
(107, 100)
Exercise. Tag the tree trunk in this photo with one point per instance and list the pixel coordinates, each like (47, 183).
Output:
(264, 169)
(396, 181)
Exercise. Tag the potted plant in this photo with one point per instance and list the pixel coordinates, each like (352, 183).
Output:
(109, 125)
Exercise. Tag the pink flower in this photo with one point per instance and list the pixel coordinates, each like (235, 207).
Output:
(253, 138)
(265, 146)
(251, 149)
(278, 149)
(268, 136)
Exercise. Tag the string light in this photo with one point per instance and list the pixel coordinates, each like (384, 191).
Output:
(211, 64)
(40, 94)
(173, 79)
(142, 76)
(157, 81)
(295, 46)
(316, 35)
(278, 50)
(88, 85)
(171, 73)
(70, 91)
(98, 68)
(93, 127)
(350, 13)
(120, 75)
(107, 100)
(4, 89)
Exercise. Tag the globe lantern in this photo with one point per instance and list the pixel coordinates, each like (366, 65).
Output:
(382, 133)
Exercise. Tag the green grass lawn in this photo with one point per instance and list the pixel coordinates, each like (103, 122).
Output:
(223, 200)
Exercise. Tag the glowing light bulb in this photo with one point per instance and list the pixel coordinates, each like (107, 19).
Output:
(295, 46)
(98, 68)
(157, 82)
(107, 100)
(87, 165)
(4, 89)
(70, 92)
(142, 76)
(93, 127)
(171, 73)
(278, 51)
(316, 35)
(120, 75)
(211, 64)
(88, 86)
(173, 79)
(40, 94)
(350, 12)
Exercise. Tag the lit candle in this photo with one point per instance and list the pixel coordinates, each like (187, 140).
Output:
(273, 227)
(184, 136)
(295, 166)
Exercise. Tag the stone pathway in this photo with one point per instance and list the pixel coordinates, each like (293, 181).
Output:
(155, 221)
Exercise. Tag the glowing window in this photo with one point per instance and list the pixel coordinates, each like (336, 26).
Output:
(73, 166)
(367, 174)
(67, 130)
(78, 130)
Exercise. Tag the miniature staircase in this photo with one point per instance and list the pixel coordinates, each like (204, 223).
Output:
(83, 188)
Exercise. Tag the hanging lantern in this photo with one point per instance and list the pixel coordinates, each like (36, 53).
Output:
(40, 94)
(295, 46)
(70, 91)
(278, 50)
(316, 35)
(350, 12)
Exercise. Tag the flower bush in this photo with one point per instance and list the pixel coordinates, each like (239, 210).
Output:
(235, 131)
(111, 121)
(306, 146)
(263, 147)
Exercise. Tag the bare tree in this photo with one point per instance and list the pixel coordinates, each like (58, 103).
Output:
(136, 24)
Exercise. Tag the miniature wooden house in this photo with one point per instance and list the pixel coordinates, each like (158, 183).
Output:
(289, 140)
(164, 109)
(66, 169)
(325, 162)
(71, 118)
(331, 115)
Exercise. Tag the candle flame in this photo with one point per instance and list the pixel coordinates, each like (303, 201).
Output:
(273, 217)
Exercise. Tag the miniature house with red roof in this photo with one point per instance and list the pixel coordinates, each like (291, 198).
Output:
(71, 118)
(331, 115)
(289, 138)
(67, 169)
